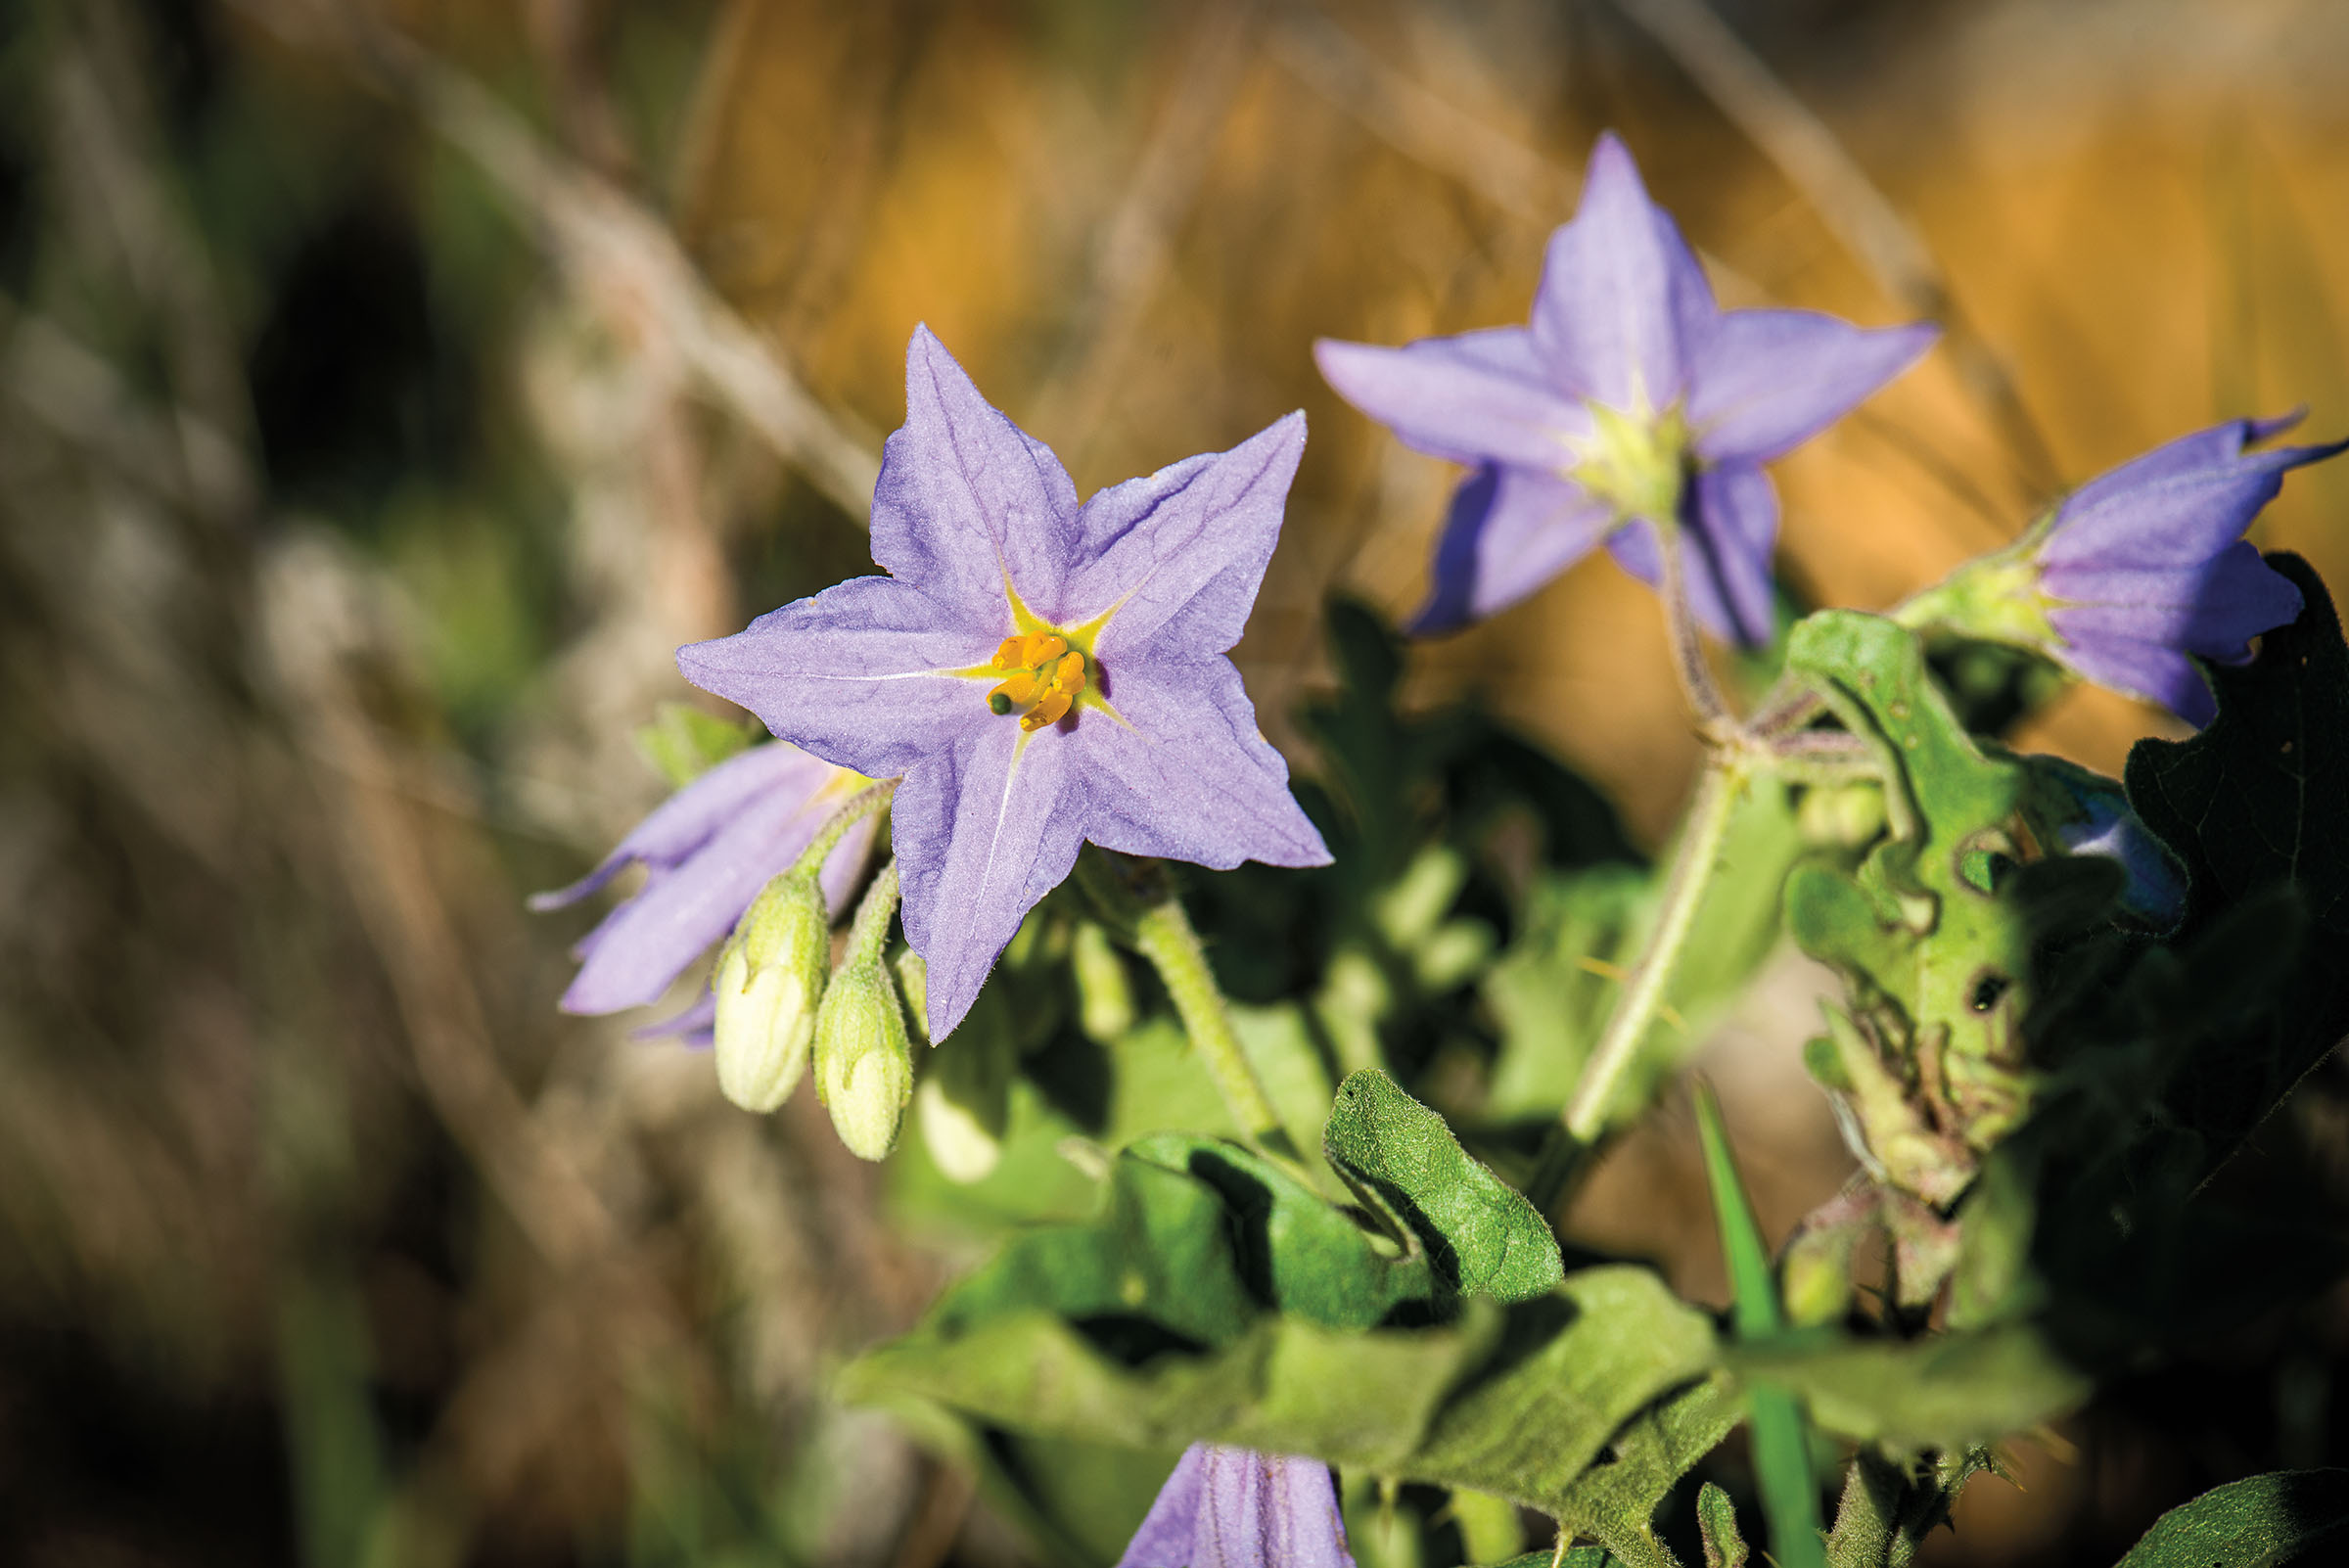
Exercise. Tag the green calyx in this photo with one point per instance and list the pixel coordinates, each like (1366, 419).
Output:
(1636, 463)
(1995, 599)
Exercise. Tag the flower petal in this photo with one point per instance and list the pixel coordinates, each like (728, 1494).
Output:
(1188, 776)
(1619, 289)
(696, 1027)
(687, 819)
(2204, 449)
(1481, 397)
(1509, 532)
(1763, 381)
(631, 958)
(982, 829)
(2214, 611)
(2148, 669)
(859, 673)
(1264, 1510)
(1165, 1539)
(1731, 528)
(1181, 553)
(965, 496)
(2177, 505)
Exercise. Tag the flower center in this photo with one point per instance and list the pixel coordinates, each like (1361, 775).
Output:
(1636, 463)
(1044, 676)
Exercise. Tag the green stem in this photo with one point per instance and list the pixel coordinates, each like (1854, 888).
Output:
(1163, 934)
(1687, 647)
(871, 927)
(855, 810)
(1692, 866)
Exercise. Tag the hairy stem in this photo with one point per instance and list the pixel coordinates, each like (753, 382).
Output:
(1692, 866)
(855, 810)
(1687, 651)
(1163, 934)
(871, 927)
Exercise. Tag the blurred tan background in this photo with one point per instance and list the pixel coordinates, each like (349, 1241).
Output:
(385, 390)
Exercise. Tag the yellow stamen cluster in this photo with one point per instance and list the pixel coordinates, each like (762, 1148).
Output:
(1045, 675)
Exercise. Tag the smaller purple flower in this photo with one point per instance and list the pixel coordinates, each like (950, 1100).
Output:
(2142, 567)
(1632, 402)
(1239, 1508)
(707, 851)
(1041, 671)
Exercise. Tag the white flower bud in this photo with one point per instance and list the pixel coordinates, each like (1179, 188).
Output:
(769, 978)
(863, 1061)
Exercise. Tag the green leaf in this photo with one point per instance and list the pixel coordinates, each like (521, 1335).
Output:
(1927, 935)
(683, 742)
(1716, 1519)
(1481, 1236)
(2251, 805)
(1781, 1445)
(1198, 1237)
(1554, 989)
(1948, 1391)
(2258, 1522)
(1518, 1402)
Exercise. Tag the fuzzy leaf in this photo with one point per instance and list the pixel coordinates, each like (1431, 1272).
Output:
(2259, 1522)
(1518, 1402)
(1481, 1234)
(1945, 1392)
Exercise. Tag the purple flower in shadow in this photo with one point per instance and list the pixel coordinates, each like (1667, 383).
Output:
(707, 851)
(2148, 563)
(1239, 1508)
(1041, 672)
(1632, 402)
(2140, 571)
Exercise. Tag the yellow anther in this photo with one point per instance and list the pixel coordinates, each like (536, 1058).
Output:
(1007, 655)
(1041, 647)
(1051, 710)
(1070, 676)
(1020, 687)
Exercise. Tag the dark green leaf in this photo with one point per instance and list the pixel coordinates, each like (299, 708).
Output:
(1518, 1402)
(2251, 805)
(2258, 1522)
(1481, 1234)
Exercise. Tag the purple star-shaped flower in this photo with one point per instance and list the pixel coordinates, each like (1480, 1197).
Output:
(1237, 1508)
(708, 849)
(1041, 673)
(1632, 402)
(2145, 565)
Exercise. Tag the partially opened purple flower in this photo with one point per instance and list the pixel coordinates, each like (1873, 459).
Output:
(1239, 1508)
(707, 851)
(1041, 673)
(2140, 567)
(1632, 402)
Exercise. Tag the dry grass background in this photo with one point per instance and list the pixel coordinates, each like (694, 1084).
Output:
(385, 390)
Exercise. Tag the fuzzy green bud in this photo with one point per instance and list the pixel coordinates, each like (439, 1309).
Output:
(863, 1060)
(771, 977)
